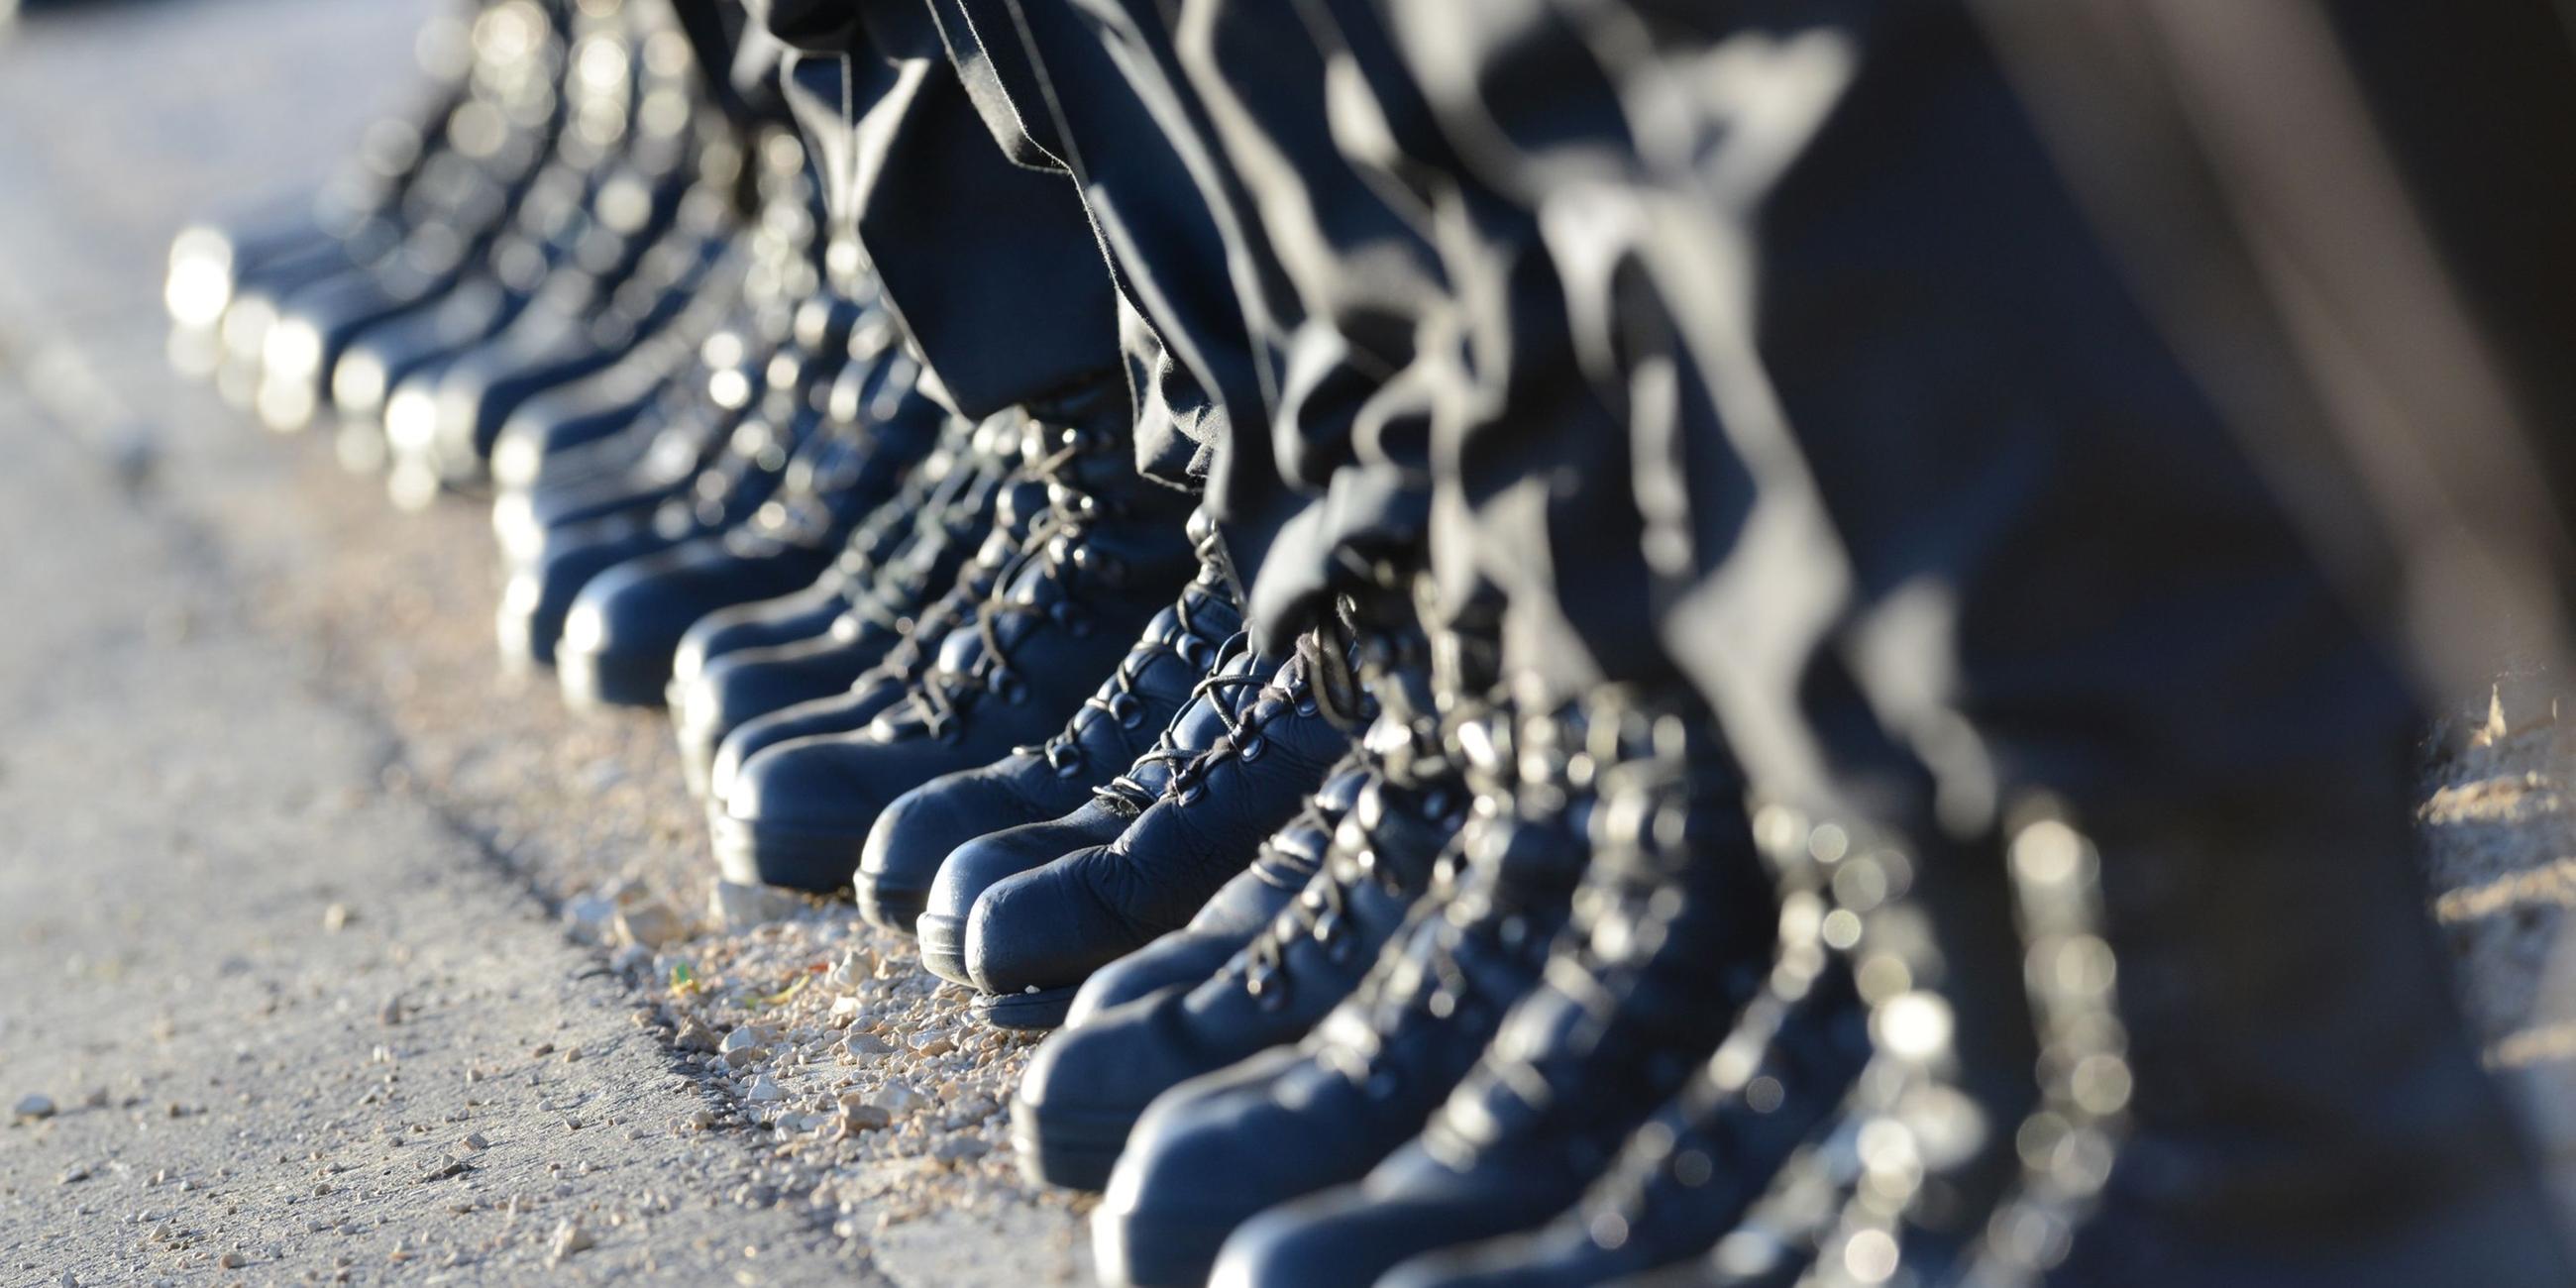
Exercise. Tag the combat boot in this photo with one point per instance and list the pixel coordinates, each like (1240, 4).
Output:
(1672, 935)
(1085, 1088)
(754, 463)
(626, 625)
(1109, 551)
(1212, 1152)
(1030, 939)
(916, 834)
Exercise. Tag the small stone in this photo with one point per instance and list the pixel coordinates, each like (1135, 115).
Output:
(477, 1142)
(740, 1056)
(649, 922)
(33, 1107)
(391, 1012)
(230, 1260)
(702, 1119)
(898, 1099)
(738, 907)
(850, 972)
(866, 1046)
(69, 1280)
(749, 1035)
(337, 917)
(590, 918)
(932, 1042)
(859, 1115)
(569, 1239)
(693, 1036)
(959, 1149)
(764, 1090)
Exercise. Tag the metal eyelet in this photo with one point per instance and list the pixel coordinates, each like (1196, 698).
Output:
(1006, 685)
(1065, 759)
(1126, 709)
(1250, 748)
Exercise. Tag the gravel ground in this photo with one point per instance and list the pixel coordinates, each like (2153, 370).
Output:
(339, 956)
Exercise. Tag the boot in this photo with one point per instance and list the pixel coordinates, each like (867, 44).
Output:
(1030, 939)
(1214, 1151)
(1672, 936)
(1694, 1170)
(1085, 1088)
(1109, 551)
(626, 624)
(754, 464)
(892, 589)
(918, 831)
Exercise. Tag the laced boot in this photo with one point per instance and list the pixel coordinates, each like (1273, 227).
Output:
(1212, 1152)
(356, 216)
(2204, 1115)
(1241, 909)
(1694, 1170)
(920, 829)
(611, 191)
(1672, 934)
(893, 592)
(1109, 551)
(906, 638)
(1031, 938)
(626, 625)
(752, 465)
(762, 346)
(495, 137)
(1085, 1088)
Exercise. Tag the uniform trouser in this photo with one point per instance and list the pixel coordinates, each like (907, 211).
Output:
(989, 267)
(1938, 517)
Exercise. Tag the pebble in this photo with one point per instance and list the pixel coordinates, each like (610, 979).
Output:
(590, 918)
(866, 1046)
(862, 1116)
(337, 917)
(649, 922)
(898, 1099)
(931, 1042)
(33, 1107)
(693, 1036)
(230, 1260)
(477, 1142)
(569, 1239)
(743, 1055)
(850, 972)
(392, 1013)
(738, 907)
(749, 1035)
(764, 1090)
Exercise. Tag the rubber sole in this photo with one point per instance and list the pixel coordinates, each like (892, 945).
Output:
(1131, 1251)
(1072, 1150)
(896, 910)
(943, 947)
(592, 680)
(1026, 1011)
(751, 853)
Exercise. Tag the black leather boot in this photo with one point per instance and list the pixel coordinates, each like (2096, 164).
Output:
(753, 465)
(1031, 938)
(1673, 933)
(1214, 1151)
(916, 834)
(626, 624)
(1693, 1171)
(1241, 910)
(739, 663)
(1109, 551)
(1085, 1088)
(1207, 705)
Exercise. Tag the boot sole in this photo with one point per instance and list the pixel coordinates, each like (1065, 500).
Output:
(591, 681)
(896, 910)
(750, 853)
(943, 946)
(1153, 1252)
(1073, 1150)
(1031, 1011)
